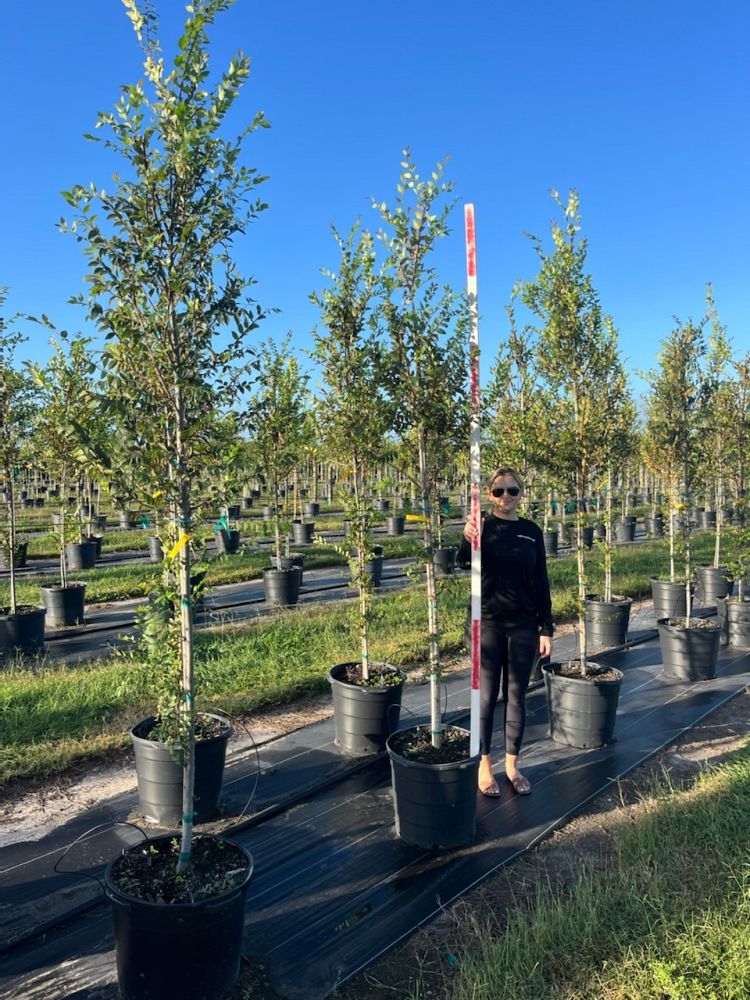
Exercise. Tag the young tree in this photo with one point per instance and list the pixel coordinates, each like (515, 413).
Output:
(427, 381)
(65, 423)
(277, 412)
(353, 414)
(17, 407)
(165, 291)
(673, 406)
(575, 356)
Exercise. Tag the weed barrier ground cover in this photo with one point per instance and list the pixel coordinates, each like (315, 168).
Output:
(334, 888)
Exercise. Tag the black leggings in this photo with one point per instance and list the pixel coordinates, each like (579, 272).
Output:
(508, 654)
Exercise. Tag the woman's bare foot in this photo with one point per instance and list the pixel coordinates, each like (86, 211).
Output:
(521, 784)
(487, 784)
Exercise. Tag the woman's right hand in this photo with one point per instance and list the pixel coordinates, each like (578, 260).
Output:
(469, 530)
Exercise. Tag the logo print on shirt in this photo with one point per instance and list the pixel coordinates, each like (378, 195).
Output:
(527, 537)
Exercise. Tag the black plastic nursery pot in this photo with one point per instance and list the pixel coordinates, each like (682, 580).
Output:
(364, 715)
(22, 631)
(311, 508)
(599, 531)
(374, 566)
(127, 520)
(582, 710)
(381, 505)
(669, 598)
(302, 532)
(155, 549)
(713, 582)
(227, 542)
(65, 605)
(178, 951)
(394, 525)
(689, 654)
(625, 531)
(550, 543)
(282, 586)
(607, 621)
(247, 503)
(435, 805)
(233, 511)
(97, 541)
(705, 519)
(654, 525)
(588, 537)
(445, 560)
(291, 562)
(734, 619)
(159, 774)
(80, 555)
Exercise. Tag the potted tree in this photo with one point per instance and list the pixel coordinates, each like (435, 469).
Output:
(354, 417)
(277, 417)
(176, 316)
(21, 625)
(62, 427)
(434, 775)
(690, 646)
(607, 613)
(577, 357)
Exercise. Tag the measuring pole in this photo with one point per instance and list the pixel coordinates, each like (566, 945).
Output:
(476, 475)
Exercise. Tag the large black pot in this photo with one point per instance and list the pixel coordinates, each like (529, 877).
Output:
(19, 560)
(550, 543)
(282, 586)
(311, 508)
(247, 503)
(435, 804)
(160, 775)
(381, 505)
(734, 618)
(155, 549)
(65, 605)
(705, 520)
(599, 531)
(394, 525)
(290, 562)
(445, 560)
(669, 598)
(364, 716)
(712, 583)
(588, 537)
(227, 542)
(374, 566)
(97, 541)
(582, 711)
(302, 533)
(233, 511)
(625, 531)
(80, 555)
(607, 621)
(22, 631)
(689, 654)
(179, 951)
(268, 513)
(127, 520)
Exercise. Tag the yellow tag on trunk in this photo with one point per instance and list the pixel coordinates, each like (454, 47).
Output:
(179, 545)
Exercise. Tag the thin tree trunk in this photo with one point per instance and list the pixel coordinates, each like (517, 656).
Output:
(11, 541)
(719, 519)
(186, 649)
(608, 540)
(433, 623)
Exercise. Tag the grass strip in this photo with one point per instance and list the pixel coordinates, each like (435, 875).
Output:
(52, 715)
(668, 918)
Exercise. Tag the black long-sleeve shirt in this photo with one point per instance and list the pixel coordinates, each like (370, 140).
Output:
(515, 586)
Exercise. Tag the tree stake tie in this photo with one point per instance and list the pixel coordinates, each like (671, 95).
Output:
(476, 475)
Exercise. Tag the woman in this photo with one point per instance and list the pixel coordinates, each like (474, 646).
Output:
(516, 620)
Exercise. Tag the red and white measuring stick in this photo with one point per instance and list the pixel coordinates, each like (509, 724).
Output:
(476, 475)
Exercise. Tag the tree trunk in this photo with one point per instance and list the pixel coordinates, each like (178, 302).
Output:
(433, 623)
(11, 540)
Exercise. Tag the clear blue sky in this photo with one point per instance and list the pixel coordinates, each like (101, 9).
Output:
(642, 106)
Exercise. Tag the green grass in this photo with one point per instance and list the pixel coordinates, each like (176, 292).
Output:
(52, 715)
(668, 918)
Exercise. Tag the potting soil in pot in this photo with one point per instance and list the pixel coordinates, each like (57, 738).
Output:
(416, 744)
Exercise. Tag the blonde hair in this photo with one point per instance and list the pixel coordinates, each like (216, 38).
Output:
(506, 470)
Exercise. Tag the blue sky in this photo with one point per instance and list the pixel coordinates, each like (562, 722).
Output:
(641, 106)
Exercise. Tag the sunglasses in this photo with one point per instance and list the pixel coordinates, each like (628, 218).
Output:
(512, 491)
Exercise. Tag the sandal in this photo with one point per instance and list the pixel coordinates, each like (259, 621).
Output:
(520, 784)
(492, 791)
